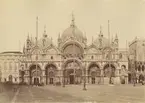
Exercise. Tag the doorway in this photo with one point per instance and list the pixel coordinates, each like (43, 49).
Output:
(71, 79)
(51, 81)
(93, 80)
(36, 81)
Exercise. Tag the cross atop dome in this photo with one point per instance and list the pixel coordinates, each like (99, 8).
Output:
(73, 20)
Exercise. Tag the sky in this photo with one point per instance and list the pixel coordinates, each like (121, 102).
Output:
(18, 18)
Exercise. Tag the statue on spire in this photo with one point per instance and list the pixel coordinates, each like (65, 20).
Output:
(73, 20)
(101, 34)
(44, 34)
(116, 41)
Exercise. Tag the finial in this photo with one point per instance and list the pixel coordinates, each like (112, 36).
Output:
(36, 29)
(73, 20)
(44, 28)
(31, 37)
(109, 31)
(100, 29)
(116, 37)
(44, 34)
(28, 36)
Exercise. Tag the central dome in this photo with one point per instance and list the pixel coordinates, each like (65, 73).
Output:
(72, 31)
(101, 42)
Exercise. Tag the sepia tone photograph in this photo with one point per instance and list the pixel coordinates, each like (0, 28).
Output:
(72, 51)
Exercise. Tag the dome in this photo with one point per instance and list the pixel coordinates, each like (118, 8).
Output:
(44, 42)
(101, 42)
(72, 31)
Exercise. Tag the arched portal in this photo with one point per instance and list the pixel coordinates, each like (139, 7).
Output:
(109, 73)
(50, 71)
(72, 72)
(94, 73)
(35, 74)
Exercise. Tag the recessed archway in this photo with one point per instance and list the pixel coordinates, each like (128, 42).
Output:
(72, 72)
(35, 74)
(50, 71)
(109, 72)
(93, 72)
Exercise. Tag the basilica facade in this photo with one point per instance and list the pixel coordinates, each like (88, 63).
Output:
(68, 62)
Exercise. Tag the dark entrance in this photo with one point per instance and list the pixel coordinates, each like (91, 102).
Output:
(71, 79)
(51, 81)
(129, 78)
(36, 81)
(93, 80)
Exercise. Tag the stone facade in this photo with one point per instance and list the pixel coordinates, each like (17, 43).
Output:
(101, 62)
(137, 57)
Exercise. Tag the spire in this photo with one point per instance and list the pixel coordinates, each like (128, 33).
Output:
(101, 34)
(100, 29)
(36, 29)
(44, 34)
(28, 36)
(31, 37)
(109, 31)
(24, 48)
(116, 37)
(73, 20)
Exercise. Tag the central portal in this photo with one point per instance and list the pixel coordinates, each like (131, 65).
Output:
(36, 81)
(73, 72)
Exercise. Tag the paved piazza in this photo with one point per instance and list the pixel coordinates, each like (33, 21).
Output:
(97, 93)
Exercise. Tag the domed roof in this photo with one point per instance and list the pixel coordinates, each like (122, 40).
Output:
(72, 31)
(44, 42)
(101, 42)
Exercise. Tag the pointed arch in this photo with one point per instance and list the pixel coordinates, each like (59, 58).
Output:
(50, 72)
